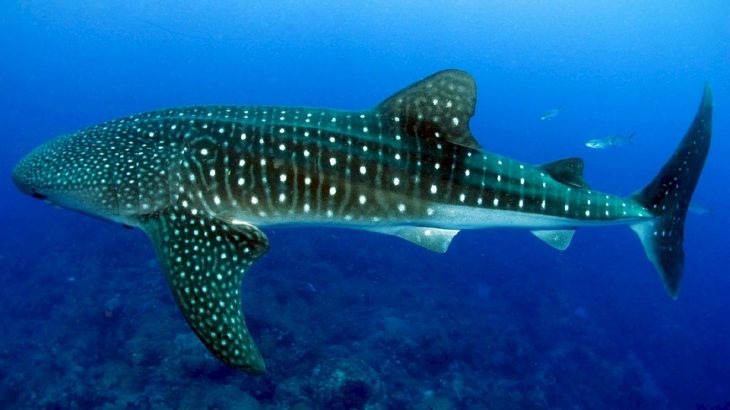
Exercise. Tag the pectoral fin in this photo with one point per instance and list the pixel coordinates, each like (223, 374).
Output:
(204, 261)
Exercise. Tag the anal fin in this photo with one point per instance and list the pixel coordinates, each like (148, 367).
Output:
(204, 261)
(558, 239)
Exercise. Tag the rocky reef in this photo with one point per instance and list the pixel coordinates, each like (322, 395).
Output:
(341, 326)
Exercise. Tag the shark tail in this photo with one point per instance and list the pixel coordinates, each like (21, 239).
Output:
(668, 196)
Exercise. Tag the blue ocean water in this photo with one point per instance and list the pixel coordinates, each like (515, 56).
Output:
(348, 319)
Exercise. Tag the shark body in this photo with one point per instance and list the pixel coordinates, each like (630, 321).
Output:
(200, 182)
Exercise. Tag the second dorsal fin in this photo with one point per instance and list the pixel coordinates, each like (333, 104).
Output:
(569, 171)
(438, 106)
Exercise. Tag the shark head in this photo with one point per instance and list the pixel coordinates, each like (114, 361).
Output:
(130, 171)
(96, 171)
(61, 173)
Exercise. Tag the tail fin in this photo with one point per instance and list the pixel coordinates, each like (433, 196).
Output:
(668, 197)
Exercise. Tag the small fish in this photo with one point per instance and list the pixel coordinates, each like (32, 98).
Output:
(612, 141)
(550, 114)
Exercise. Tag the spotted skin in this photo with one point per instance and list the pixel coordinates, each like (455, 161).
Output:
(201, 180)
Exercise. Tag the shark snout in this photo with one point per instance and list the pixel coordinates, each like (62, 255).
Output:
(23, 177)
(20, 178)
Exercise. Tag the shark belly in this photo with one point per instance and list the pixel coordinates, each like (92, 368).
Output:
(460, 217)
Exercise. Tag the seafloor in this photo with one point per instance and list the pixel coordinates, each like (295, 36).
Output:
(345, 320)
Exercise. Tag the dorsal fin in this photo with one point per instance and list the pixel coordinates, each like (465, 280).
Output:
(569, 171)
(438, 106)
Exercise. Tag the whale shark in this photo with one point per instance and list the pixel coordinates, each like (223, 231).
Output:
(203, 181)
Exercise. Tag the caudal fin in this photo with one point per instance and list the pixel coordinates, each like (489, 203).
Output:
(668, 198)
